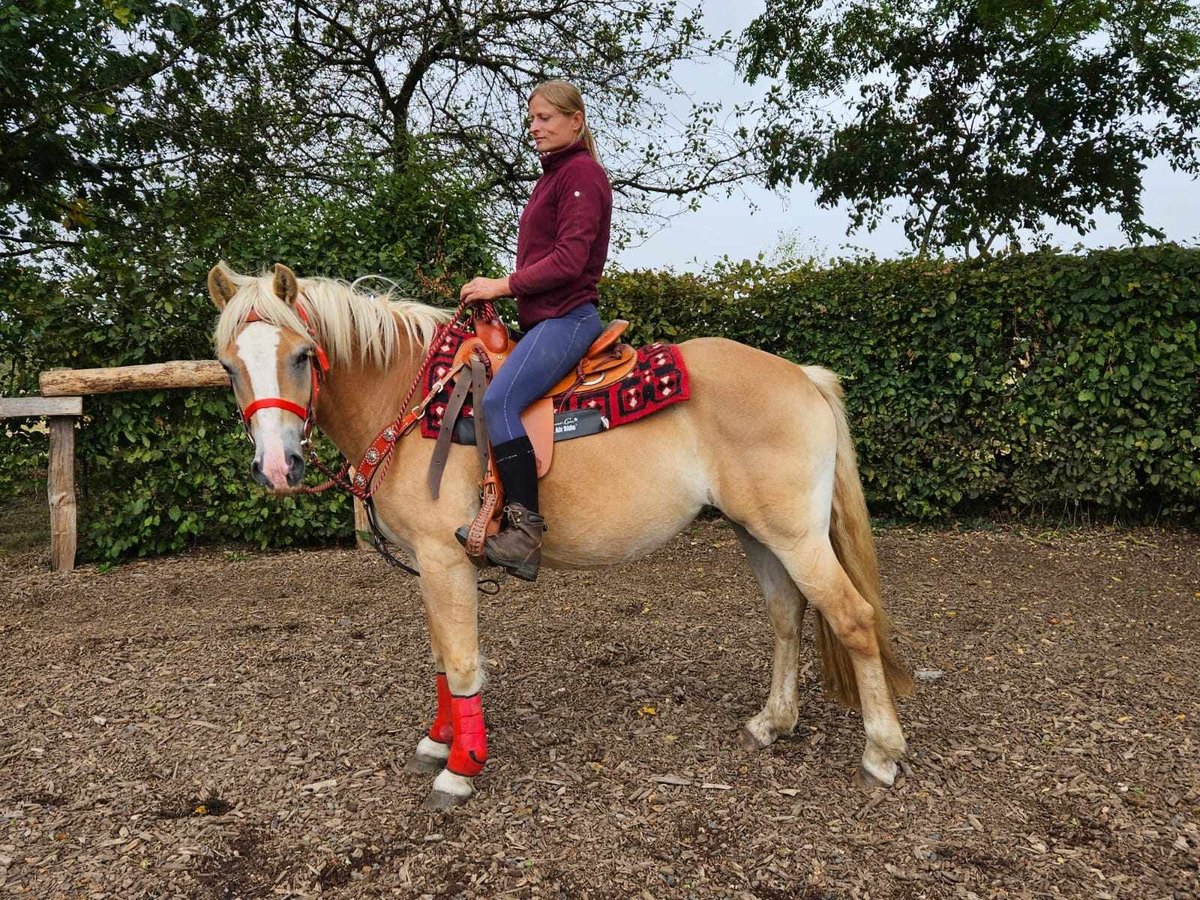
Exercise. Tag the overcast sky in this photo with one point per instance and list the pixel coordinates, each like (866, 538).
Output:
(731, 227)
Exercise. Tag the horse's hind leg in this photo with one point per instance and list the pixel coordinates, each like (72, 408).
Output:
(785, 607)
(814, 566)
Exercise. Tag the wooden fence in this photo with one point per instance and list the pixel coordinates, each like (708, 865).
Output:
(61, 403)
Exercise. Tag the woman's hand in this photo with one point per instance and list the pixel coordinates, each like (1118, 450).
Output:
(479, 289)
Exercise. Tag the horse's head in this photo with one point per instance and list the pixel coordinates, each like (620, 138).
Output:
(275, 366)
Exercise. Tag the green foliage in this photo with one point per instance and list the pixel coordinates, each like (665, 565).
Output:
(159, 470)
(1026, 384)
(985, 119)
(1030, 383)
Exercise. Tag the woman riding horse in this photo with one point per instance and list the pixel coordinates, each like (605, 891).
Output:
(305, 351)
(562, 244)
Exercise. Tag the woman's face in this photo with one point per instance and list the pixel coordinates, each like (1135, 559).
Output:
(550, 129)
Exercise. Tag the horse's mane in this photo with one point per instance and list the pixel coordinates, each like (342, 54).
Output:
(351, 324)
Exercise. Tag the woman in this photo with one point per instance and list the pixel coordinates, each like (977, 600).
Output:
(562, 244)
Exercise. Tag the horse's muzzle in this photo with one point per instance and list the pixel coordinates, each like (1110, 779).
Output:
(293, 476)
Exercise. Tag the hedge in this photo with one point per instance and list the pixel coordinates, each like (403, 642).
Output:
(1028, 385)
(160, 471)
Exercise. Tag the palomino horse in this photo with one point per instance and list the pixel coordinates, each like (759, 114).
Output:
(785, 477)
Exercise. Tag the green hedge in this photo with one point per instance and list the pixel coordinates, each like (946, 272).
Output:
(1036, 383)
(1032, 384)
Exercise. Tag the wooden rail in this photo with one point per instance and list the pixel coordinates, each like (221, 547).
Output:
(61, 404)
(186, 373)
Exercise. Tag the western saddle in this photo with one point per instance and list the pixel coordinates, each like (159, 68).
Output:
(478, 358)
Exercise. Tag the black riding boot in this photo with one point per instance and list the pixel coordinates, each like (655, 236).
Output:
(518, 546)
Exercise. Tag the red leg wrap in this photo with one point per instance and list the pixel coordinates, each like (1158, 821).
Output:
(468, 753)
(442, 729)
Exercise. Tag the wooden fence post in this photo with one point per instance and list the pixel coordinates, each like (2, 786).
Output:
(60, 486)
(61, 414)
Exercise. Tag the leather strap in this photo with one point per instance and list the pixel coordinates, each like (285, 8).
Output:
(441, 449)
(491, 492)
(491, 504)
(478, 386)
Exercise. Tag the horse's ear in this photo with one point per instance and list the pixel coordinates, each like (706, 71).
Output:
(285, 284)
(220, 287)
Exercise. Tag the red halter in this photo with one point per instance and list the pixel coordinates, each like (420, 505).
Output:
(320, 365)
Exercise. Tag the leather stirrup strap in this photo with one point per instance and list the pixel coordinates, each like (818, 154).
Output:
(478, 386)
(441, 450)
(491, 494)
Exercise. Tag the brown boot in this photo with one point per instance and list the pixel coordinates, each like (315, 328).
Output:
(519, 546)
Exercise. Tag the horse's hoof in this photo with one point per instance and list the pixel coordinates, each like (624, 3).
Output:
(443, 800)
(868, 782)
(747, 740)
(420, 764)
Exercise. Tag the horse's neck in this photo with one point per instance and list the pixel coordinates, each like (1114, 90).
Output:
(358, 401)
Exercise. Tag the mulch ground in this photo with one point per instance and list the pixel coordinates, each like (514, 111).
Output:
(236, 725)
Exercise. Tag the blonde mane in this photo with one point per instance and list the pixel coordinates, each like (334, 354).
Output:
(351, 324)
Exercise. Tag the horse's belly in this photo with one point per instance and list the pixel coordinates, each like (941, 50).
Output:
(602, 545)
(617, 496)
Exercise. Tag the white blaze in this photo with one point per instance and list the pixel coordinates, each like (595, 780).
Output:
(258, 348)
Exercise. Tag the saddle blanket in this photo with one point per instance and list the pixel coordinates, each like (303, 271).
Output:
(658, 379)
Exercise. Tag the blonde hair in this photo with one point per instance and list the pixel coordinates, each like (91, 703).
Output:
(565, 97)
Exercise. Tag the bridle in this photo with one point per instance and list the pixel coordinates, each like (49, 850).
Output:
(319, 365)
(368, 472)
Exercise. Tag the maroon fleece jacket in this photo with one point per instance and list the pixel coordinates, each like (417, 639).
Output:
(562, 242)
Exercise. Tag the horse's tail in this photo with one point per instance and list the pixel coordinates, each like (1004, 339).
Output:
(850, 534)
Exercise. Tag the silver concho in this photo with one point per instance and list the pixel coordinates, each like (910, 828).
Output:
(389, 434)
(372, 455)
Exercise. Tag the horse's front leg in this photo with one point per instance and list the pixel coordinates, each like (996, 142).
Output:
(457, 741)
(434, 747)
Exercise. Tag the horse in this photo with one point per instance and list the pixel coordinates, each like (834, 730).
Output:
(785, 477)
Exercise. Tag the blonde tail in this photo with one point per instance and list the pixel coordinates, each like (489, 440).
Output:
(850, 534)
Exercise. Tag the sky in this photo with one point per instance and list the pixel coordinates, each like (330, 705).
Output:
(756, 221)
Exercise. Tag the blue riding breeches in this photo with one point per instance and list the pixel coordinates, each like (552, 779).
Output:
(549, 350)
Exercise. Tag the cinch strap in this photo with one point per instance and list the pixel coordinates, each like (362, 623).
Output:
(468, 753)
(442, 730)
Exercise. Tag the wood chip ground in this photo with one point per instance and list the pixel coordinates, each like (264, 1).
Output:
(232, 724)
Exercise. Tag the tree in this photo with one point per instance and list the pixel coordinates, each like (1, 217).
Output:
(451, 78)
(983, 119)
(102, 102)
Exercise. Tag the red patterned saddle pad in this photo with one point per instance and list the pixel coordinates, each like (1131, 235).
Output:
(658, 380)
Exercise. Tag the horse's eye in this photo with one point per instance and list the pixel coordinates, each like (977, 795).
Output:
(304, 359)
